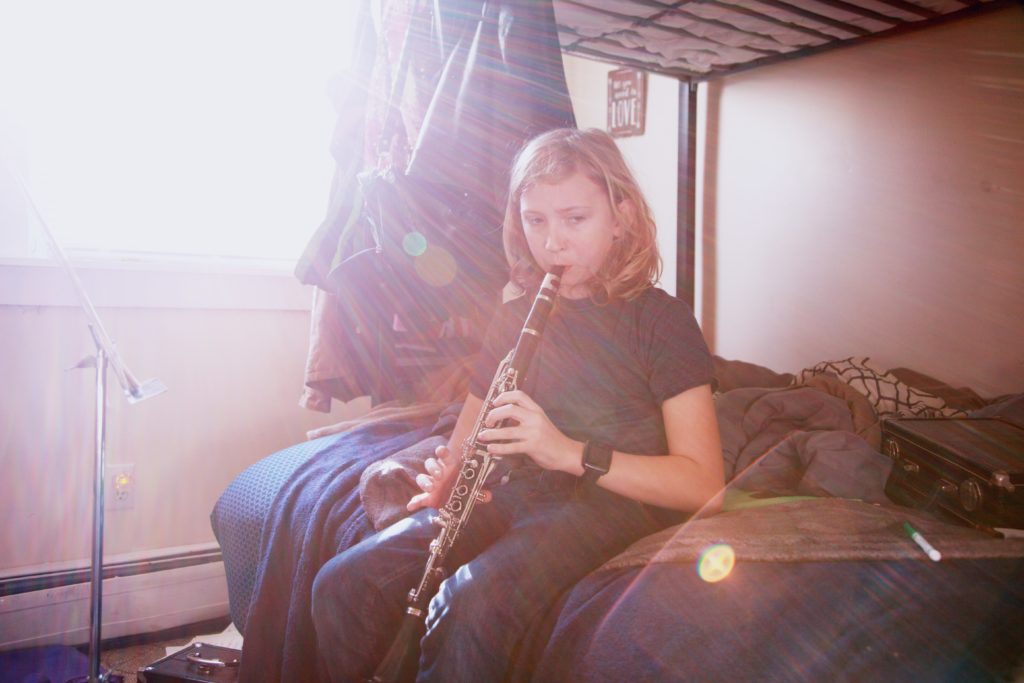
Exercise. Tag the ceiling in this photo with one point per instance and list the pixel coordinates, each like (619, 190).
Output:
(699, 39)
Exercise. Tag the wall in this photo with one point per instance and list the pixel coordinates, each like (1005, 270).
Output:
(870, 201)
(652, 156)
(230, 347)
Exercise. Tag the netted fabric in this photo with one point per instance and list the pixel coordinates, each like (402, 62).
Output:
(888, 395)
(238, 516)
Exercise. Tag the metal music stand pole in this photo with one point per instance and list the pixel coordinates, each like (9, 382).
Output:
(106, 356)
(96, 594)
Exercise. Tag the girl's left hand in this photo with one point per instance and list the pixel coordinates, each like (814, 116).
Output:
(531, 433)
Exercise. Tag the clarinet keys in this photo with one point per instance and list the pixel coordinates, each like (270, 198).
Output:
(441, 519)
(469, 469)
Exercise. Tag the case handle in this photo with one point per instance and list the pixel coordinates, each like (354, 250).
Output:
(209, 664)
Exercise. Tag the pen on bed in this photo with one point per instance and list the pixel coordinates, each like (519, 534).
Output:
(927, 547)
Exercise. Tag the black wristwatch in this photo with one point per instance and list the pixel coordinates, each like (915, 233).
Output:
(597, 459)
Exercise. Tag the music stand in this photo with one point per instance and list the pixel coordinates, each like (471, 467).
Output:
(106, 357)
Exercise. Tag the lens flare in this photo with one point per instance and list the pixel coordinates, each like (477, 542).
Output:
(414, 243)
(716, 563)
(436, 266)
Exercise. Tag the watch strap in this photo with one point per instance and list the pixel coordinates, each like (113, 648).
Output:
(597, 460)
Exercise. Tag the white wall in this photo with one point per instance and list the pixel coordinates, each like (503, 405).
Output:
(231, 348)
(652, 156)
(870, 201)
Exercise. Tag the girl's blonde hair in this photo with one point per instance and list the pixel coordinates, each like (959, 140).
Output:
(633, 264)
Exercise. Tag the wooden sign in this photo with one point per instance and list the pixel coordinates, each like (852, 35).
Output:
(627, 102)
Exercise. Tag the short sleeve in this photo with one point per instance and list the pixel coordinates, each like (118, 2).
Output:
(677, 355)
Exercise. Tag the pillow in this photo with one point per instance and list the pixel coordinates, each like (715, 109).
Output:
(887, 394)
(955, 397)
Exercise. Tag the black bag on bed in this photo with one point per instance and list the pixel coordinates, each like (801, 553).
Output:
(197, 663)
(965, 470)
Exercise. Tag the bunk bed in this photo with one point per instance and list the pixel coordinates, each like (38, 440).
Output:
(819, 578)
(702, 40)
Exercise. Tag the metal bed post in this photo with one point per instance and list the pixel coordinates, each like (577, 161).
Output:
(686, 195)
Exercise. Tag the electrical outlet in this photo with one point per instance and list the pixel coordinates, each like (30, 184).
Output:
(120, 487)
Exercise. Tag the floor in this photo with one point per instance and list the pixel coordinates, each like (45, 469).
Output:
(130, 655)
(128, 660)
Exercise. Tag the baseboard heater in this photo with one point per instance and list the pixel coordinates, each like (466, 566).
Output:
(142, 593)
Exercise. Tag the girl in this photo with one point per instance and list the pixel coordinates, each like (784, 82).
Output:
(615, 428)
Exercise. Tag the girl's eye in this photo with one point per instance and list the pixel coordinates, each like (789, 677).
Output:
(575, 220)
(534, 220)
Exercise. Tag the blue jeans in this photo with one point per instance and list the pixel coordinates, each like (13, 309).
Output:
(517, 554)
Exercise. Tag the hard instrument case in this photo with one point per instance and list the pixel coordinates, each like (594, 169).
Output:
(197, 663)
(965, 470)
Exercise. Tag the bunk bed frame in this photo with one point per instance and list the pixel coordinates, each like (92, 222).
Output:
(700, 40)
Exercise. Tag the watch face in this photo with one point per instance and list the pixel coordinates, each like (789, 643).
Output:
(597, 457)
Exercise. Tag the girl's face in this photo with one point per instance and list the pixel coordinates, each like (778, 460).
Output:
(569, 223)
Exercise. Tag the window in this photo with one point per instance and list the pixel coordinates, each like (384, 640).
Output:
(169, 130)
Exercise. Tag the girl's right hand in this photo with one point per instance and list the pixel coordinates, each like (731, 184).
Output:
(442, 471)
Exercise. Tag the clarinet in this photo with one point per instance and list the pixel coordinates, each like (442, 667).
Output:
(401, 661)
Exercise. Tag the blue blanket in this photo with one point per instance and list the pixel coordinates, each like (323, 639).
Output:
(315, 515)
(908, 620)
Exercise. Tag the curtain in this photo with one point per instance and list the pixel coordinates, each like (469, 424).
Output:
(408, 261)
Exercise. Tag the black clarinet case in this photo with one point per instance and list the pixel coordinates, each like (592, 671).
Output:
(969, 471)
(197, 663)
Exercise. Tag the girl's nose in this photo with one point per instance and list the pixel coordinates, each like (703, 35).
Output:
(554, 241)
